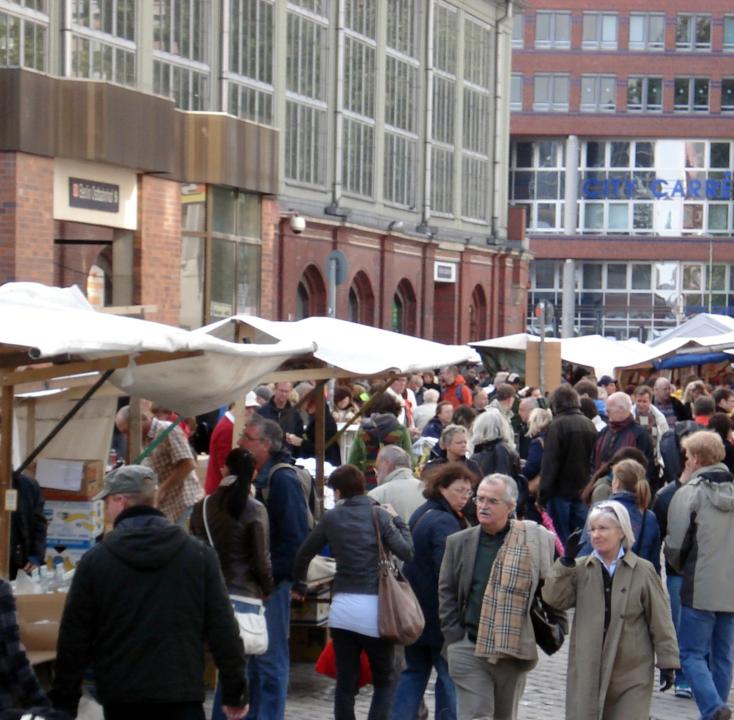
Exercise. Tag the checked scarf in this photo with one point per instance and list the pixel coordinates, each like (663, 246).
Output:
(506, 597)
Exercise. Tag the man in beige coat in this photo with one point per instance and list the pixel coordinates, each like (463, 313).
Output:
(488, 578)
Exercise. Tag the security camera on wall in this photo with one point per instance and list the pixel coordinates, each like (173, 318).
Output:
(298, 224)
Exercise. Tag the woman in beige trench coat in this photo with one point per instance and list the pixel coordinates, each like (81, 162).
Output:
(611, 671)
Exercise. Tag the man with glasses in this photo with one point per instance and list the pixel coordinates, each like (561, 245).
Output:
(488, 578)
(279, 489)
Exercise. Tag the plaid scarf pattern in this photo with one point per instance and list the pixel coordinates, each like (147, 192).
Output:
(506, 597)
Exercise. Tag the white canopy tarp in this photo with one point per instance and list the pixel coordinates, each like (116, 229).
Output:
(604, 356)
(360, 350)
(49, 322)
(703, 325)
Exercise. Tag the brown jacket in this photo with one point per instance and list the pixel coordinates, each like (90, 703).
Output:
(243, 545)
(611, 678)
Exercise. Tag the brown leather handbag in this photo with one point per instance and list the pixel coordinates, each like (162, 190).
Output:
(399, 615)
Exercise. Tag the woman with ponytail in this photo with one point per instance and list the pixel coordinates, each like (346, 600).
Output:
(236, 525)
(631, 489)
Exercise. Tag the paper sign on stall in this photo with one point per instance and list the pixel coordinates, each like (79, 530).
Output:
(60, 474)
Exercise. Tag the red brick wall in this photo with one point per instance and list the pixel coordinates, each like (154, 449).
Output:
(443, 310)
(157, 256)
(26, 218)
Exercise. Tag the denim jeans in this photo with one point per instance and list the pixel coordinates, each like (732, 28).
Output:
(703, 633)
(268, 673)
(674, 583)
(420, 659)
(348, 647)
(217, 712)
(568, 514)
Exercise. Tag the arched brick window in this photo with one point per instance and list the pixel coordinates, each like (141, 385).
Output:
(404, 308)
(478, 314)
(361, 300)
(310, 294)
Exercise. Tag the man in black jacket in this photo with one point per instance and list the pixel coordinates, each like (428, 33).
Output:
(566, 465)
(142, 605)
(28, 526)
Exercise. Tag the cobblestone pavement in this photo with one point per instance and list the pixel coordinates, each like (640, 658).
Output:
(311, 695)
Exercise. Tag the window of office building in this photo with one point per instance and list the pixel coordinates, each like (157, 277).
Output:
(553, 30)
(647, 31)
(445, 33)
(306, 92)
(24, 35)
(550, 93)
(518, 30)
(691, 94)
(359, 97)
(220, 253)
(729, 32)
(181, 52)
(103, 40)
(727, 95)
(632, 300)
(537, 183)
(599, 31)
(693, 32)
(401, 101)
(645, 94)
(477, 104)
(598, 93)
(250, 72)
(516, 92)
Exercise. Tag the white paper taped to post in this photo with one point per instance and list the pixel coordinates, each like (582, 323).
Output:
(60, 474)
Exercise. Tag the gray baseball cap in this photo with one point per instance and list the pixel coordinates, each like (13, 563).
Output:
(128, 479)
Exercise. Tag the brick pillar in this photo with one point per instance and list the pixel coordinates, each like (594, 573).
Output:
(157, 256)
(26, 218)
(270, 225)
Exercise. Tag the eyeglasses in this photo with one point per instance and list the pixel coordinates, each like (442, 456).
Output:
(486, 501)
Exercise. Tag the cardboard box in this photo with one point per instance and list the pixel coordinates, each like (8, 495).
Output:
(70, 479)
(74, 525)
(314, 610)
(306, 643)
(39, 617)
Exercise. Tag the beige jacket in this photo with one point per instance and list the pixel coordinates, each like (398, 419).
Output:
(611, 678)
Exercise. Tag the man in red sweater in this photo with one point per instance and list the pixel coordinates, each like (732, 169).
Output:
(220, 442)
(455, 389)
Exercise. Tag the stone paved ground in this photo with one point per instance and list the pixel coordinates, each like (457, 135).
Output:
(311, 696)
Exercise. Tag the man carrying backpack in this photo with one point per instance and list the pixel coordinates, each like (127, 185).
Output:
(280, 489)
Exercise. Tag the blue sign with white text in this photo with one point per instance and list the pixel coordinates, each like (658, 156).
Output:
(695, 189)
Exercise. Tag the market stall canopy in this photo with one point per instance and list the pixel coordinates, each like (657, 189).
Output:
(703, 325)
(355, 350)
(194, 371)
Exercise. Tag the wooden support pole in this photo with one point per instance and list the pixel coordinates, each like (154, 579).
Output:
(6, 475)
(320, 444)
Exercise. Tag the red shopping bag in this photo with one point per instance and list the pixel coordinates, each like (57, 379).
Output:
(326, 665)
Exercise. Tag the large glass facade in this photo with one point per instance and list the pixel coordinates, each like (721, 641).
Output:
(633, 299)
(629, 187)
(24, 34)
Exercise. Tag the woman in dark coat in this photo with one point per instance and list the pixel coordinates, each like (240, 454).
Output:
(240, 534)
(447, 490)
(349, 529)
(434, 427)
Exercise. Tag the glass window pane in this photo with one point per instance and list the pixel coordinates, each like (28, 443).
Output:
(620, 155)
(692, 277)
(717, 281)
(618, 216)
(248, 279)
(616, 276)
(720, 154)
(192, 281)
(547, 186)
(223, 272)
(548, 154)
(718, 217)
(644, 156)
(544, 274)
(592, 276)
(224, 210)
(641, 277)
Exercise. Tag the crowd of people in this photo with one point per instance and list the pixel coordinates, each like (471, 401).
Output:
(488, 494)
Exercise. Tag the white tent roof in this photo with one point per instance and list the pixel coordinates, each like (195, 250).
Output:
(360, 350)
(703, 325)
(48, 322)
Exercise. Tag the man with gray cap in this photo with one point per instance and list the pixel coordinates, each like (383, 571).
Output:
(142, 606)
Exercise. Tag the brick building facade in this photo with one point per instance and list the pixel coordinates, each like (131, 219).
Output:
(635, 102)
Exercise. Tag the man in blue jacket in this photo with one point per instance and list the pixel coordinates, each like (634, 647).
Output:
(282, 494)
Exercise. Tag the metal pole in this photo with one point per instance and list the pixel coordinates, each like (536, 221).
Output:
(711, 271)
(320, 438)
(568, 298)
(6, 475)
(541, 350)
(331, 311)
(570, 204)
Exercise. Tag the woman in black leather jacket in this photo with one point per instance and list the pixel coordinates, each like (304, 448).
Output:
(349, 529)
(240, 534)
